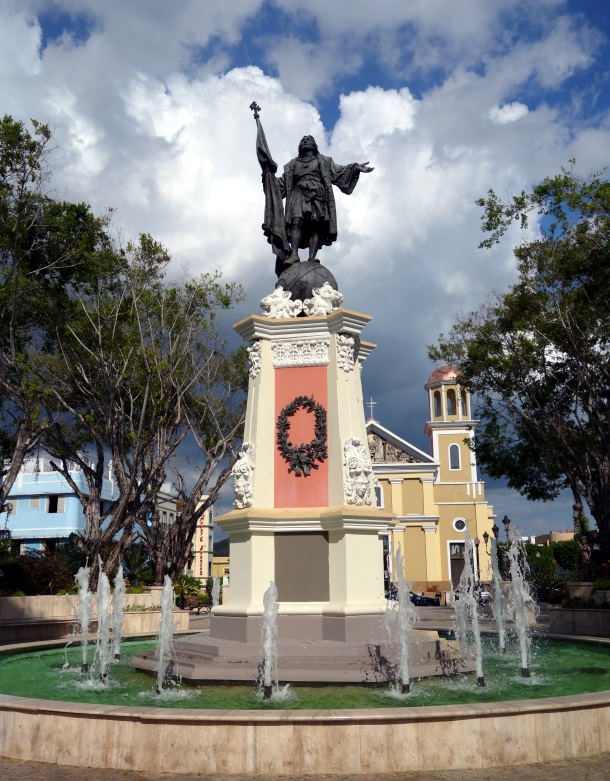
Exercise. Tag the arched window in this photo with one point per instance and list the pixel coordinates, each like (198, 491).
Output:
(454, 456)
(451, 402)
(465, 412)
(437, 404)
(378, 495)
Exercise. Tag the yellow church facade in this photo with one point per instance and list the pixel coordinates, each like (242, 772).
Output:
(434, 497)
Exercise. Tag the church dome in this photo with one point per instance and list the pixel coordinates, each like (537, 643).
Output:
(443, 374)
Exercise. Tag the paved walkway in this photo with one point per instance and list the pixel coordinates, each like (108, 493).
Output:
(587, 769)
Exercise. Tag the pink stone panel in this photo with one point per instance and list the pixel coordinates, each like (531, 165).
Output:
(292, 491)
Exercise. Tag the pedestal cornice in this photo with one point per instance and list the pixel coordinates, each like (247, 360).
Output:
(305, 519)
(341, 321)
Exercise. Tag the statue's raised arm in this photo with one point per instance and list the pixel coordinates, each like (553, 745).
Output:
(309, 218)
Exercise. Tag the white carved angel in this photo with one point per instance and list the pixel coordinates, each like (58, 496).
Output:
(279, 304)
(325, 300)
(243, 473)
(357, 472)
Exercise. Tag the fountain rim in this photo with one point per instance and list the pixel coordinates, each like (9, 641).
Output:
(418, 713)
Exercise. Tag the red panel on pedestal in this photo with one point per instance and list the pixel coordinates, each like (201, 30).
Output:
(292, 491)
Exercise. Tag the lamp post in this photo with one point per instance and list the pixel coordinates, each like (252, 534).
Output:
(506, 524)
(576, 515)
(495, 530)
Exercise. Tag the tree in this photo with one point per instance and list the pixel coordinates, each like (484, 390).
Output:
(44, 245)
(140, 368)
(537, 358)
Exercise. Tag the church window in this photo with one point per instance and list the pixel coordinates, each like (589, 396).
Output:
(437, 404)
(451, 402)
(465, 412)
(378, 494)
(454, 456)
(459, 525)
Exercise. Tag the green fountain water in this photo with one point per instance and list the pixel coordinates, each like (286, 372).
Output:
(558, 668)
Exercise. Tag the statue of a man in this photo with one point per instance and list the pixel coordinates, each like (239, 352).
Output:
(309, 218)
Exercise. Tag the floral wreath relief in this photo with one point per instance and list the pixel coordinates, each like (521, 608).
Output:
(301, 459)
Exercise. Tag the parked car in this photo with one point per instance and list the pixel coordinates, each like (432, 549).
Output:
(422, 601)
(417, 599)
(484, 597)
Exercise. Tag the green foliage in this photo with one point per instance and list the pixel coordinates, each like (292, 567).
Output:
(581, 602)
(603, 584)
(542, 570)
(536, 358)
(51, 252)
(37, 573)
(567, 555)
(99, 353)
(137, 569)
(188, 586)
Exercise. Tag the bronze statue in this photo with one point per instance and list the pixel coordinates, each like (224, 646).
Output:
(309, 218)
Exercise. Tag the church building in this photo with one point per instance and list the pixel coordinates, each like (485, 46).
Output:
(434, 497)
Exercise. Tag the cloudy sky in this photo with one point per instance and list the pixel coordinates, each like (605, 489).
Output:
(446, 99)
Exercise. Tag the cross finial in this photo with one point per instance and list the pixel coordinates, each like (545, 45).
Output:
(256, 108)
(371, 404)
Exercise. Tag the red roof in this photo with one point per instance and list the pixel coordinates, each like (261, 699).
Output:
(446, 373)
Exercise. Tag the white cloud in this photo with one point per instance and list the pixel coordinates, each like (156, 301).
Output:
(170, 143)
(509, 112)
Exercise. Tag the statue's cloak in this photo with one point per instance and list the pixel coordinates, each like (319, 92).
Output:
(345, 177)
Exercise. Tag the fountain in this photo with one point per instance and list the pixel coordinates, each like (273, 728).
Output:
(522, 607)
(117, 612)
(497, 605)
(215, 592)
(268, 675)
(164, 651)
(399, 623)
(102, 645)
(466, 606)
(84, 612)
(305, 519)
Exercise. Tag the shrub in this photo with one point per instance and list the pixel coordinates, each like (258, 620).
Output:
(567, 555)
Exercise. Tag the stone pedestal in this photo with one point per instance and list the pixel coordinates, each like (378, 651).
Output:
(311, 525)
(306, 518)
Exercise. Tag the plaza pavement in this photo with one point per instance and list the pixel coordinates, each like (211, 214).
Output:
(595, 768)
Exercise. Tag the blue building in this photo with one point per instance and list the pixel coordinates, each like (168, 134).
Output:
(44, 510)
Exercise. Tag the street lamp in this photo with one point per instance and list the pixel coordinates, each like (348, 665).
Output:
(506, 524)
(495, 530)
(485, 538)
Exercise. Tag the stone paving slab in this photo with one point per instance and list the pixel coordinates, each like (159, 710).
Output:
(595, 768)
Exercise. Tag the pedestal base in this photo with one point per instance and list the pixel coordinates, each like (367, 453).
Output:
(310, 628)
(353, 651)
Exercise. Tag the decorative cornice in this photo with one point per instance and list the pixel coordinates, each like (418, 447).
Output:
(309, 519)
(304, 352)
(255, 359)
(341, 321)
(383, 469)
(345, 352)
(456, 424)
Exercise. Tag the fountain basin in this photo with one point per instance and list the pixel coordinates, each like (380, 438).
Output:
(305, 741)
